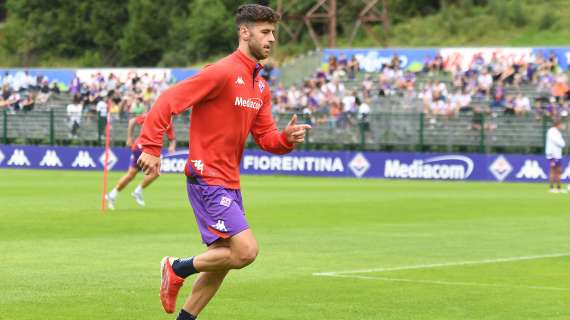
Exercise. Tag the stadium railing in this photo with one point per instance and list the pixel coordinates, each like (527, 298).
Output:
(380, 131)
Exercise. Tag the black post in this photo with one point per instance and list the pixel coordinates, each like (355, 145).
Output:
(5, 127)
(51, 127)
(421, 133)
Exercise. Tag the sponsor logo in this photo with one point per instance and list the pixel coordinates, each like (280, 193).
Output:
(199, 165)
(225, 201)
(112, 161)
(50, 159)
(239, 81)
(501, 168)
(261, 86)
(18, 158)
(251, 103)
(431, 168)
(172, 164)
(291, 163)
(359, 165)
(531, 170)
(83, 160)
(220, 226)
(1, 157)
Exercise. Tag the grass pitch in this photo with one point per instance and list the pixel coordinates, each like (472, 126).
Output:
(330, 249)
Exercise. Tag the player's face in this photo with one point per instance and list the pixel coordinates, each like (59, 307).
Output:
(261, 39)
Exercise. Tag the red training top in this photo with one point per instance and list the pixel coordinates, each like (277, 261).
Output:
(140, 121)
(229, 101)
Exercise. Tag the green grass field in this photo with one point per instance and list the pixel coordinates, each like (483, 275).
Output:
(425, 250)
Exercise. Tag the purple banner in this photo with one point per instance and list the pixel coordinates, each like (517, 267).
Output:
(397, 165)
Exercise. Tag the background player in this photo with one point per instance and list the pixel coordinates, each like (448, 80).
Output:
(136, 150)
(554, 145)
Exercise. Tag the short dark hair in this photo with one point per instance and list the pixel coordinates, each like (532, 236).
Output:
(251, 13)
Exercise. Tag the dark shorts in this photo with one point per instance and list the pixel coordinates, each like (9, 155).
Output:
(555, 163)
(219, 211)
(135, 154)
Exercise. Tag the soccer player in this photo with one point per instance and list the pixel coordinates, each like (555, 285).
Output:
(554, 145)
(136, 150)
(229, 99)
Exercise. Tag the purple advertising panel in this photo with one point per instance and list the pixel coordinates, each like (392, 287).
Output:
(386, 165)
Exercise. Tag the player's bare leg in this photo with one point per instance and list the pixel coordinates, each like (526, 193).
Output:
(126, 179)
(214, 264)
(123, 182)
(205, 286)
(147, 180)
(242, 251)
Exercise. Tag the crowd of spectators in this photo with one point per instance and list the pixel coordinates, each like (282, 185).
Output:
(23, 92)
(531, 86)
(339, 95)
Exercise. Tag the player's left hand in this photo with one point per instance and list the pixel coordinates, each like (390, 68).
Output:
(296, 132)
(171, 149)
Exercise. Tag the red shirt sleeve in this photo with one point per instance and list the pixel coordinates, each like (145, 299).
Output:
(140, 119)
(265, 132)
(205, 85)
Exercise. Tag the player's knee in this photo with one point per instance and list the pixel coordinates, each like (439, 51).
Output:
(245, 257)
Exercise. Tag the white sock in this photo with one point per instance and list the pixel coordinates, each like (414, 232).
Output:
(138, 189)
(113, 193)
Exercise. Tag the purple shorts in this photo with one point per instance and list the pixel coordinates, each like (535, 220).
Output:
(219, 211)
(554, 163)
(135, 154)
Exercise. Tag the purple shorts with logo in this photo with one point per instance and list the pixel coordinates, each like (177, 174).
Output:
(555, 162)
(135, 154)
(219, 211)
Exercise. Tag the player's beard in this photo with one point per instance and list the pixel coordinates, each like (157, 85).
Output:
(257, 50)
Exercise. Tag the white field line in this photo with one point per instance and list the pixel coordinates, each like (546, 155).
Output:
(452, 283)
(440, 265)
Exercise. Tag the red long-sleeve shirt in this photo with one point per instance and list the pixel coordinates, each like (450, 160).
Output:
(229, 100)
(140, 121)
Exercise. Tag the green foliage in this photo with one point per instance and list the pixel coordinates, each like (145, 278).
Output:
(146, 33)
(210, 29)
(547, 20)
(183, 32)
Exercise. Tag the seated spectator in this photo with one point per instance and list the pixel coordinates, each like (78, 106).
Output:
(509, 106)
(522, 105)
(560, 87)
(498, 101)
(44, 93)
(479, 120)
(74, 111)
(367, 86)
(485, 82)
(333, 66)
(353, 67)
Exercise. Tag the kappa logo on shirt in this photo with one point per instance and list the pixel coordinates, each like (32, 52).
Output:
(239, 81)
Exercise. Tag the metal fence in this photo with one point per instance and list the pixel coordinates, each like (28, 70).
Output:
(381, 131)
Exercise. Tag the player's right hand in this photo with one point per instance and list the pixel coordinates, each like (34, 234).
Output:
(149, 164)
(129, 142)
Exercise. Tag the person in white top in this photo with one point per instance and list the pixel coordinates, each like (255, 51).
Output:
(554, 145)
